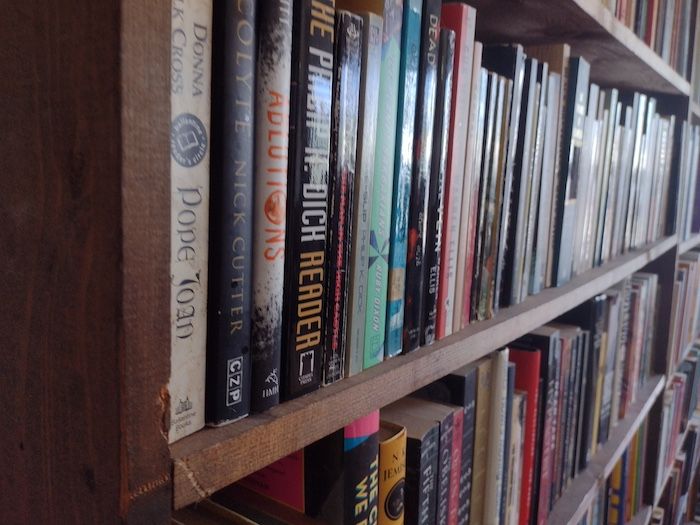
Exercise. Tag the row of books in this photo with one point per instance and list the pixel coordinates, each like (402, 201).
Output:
(666, 26)
(379, 180)
(678, 500)
(680, 401)
(689, 190)
(620, 499)
(497, 441)
(685, 309)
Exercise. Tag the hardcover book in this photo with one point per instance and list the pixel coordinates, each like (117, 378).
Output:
(508, 61)
(364, 184)
(380, 218)
(274, 65)
(564, 226)
(461, 19)
(190, 109)
(228, 379)
(436, 189)
(307, 202)
(392, 473)
(422, 444)
(403, 167)
(346, 89)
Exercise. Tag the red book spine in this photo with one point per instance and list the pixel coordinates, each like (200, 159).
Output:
(527, 379)
(461, 19)
(456, 468)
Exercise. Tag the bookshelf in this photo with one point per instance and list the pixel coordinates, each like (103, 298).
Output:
(572, 506)
(86, 317)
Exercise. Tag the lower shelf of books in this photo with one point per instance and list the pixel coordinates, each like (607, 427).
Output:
(579, 496)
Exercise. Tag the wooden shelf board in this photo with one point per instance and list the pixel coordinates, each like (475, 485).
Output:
(577, 498)
(617, 56)
(694, 109)
(215, 457)
(689, 243)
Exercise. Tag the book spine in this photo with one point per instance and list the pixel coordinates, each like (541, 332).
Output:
(444, 470)
(403, 163)
(549, 432)
(436, 189)
(497, 422)
(508, 436)
(481, 436)
(470, 194)
(231, 236)
(361, 463)
(421, 478)
(461, 19)
(307, 202)
(456, 466)
(190, 105)
(274, 67)
(467, 461)
(346, 89)
(364, 181)
(392, 478)
(380, 219)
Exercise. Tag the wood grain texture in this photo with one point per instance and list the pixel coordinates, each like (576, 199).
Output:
(213, 458)
(60, 184)
(145, 337)
(578, 496)
(617, 57)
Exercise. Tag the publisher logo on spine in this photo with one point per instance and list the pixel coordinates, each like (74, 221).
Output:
(234, 381)
(188, 140)
(393, 505)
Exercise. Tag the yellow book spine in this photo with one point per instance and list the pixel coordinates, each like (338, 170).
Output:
(392, 474)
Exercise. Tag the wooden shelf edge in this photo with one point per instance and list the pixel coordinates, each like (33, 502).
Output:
(576, 500)
(215, 457)
(689, 244)
(694, 108)
(679, 448)
(626, 37)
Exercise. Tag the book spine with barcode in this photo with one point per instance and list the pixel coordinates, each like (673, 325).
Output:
(380, 217)
(436, 189)
(305, 295)
(274, 67)
(364, 181)
(414, 296)
(403, 166)
(346, 91)
(228, 379)
(190, 105)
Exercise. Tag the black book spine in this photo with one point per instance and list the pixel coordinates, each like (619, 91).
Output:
(436, 190)
(421, 478)
(346, 96)
(420, 176)
(271, 156)
(307, 201)
(228, 355)
(444, 469)
(581, 390)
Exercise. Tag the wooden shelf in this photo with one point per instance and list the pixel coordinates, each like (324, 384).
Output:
(617, 56)
(689, 243)
(212, 458)
(577, 498)
(694, 109)
(679, 448)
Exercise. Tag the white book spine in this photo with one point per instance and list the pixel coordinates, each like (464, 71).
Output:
(190, 99)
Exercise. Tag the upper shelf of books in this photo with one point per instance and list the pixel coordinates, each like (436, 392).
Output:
(618, 57)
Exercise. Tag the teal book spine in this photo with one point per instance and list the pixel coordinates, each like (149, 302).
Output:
(403, 165)
(380, 218)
